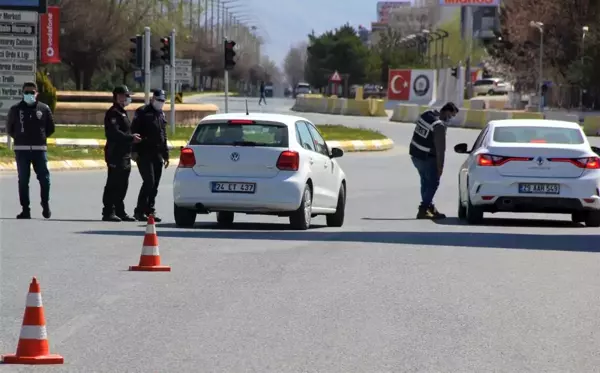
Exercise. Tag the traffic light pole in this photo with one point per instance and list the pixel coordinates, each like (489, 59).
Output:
(226, 79)
(172, 81)
(147, 72)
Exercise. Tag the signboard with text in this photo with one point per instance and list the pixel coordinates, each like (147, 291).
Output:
(183, 72)
(18, 57)
(385, 7)
(470, 2)
(38, 6)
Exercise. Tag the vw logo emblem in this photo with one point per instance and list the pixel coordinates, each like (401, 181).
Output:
(235, 156)
(540, 161)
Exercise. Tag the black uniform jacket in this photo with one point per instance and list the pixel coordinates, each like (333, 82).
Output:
(119, 138)
(151, 124)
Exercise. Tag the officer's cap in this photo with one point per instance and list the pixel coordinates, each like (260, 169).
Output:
(159, 95)
(121, 90)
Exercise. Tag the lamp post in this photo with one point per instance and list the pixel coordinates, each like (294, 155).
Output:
(584, 31)
(540, 27)
(443, 35)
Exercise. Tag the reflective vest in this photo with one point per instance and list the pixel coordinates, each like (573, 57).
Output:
(422, 144)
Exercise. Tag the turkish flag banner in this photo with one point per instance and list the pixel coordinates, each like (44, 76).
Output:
(399, 85)
(50, 36)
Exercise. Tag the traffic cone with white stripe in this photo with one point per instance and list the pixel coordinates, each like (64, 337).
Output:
(150, 258)
(33, 342)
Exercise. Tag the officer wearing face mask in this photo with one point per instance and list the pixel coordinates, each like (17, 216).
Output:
(151, 154)
(117, 153)
(29, 123)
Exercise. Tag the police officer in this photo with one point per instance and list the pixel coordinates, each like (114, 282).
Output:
(117, 154)
(29, 123)
(427, 150)
(152, 153)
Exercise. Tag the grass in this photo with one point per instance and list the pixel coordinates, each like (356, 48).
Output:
(329, 131)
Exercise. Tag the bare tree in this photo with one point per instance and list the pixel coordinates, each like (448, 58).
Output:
(294, 64)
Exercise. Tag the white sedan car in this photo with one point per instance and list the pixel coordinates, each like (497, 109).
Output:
(259, 163)
(530, 166)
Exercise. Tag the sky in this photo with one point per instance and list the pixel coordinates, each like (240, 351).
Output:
(289, 24)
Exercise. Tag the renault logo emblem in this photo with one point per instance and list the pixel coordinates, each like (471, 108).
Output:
(540, 161)
(235, 156)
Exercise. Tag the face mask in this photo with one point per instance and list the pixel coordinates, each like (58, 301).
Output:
(29, 99)
(158, 105)
(127, 101)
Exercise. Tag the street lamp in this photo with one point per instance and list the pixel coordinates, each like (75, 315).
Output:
(540, 27)
(584, 31)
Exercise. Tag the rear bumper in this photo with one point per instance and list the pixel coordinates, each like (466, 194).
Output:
(575, 195)
(282, 193)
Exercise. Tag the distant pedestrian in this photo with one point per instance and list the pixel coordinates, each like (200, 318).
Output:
(117, 154)
(427, 150)
(30, 123)
(262, 93)
(151, 154)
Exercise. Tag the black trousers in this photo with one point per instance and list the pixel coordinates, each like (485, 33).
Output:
(39, 160)
(115, 190)
(151, 171)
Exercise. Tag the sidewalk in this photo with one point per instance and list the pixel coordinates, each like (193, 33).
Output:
(91, 164)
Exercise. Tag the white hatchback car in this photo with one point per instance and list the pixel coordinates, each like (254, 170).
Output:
(530, 166)
(261, 163)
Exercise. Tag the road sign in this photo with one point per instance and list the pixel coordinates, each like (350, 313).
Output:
(183, 72)
(138, 76)
(18, 57)
(335, 77)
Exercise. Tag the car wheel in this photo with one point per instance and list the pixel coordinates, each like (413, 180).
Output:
(592, 219)
(578, 217)
(337, 219)
(462, 210)
(491, 92)
(184, 217)
(225, 218)
(474, 214)
(300, 219)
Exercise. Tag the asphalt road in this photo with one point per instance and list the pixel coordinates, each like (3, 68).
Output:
(386, 293)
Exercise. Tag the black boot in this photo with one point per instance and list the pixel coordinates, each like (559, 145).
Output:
(140, 216)
(25, 214)
(125, 217)
(46, 213)
(436, 214)
(424, 213)
(111, 217)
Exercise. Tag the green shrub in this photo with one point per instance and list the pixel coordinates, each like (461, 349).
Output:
(46, 90)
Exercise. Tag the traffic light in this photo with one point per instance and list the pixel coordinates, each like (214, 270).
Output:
(154, 59)
(455, 72)
(166, 50)
(137, 51)
(229, 54)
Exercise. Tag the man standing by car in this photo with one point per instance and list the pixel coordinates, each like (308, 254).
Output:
(29, 123)
(427, 150)
(117, 153)
(151, 153)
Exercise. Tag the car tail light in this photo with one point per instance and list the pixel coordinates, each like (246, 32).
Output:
(488, 160)
(288, 161)
(538, 141)
(590, 163)
(187, 159)
(241, 121)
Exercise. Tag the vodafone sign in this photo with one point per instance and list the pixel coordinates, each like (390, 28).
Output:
(471, 2)
(50, 35)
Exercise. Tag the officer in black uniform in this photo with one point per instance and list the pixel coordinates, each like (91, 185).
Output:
(427, 150)
(29, 123)
(117, 153)
(152, 153)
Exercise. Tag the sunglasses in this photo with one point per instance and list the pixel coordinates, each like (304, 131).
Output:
(29, 92)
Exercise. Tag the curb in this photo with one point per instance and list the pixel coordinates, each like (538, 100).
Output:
(92, 164)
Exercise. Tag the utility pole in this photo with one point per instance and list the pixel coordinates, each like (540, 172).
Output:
(469, 36)
(172, 80)
(147, 72)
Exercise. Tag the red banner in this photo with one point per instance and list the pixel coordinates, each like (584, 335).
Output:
(50, 35)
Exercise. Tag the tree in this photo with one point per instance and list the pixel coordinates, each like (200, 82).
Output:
(294, 64)
(392, 52)
(339, 50)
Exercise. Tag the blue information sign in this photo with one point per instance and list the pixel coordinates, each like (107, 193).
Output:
(40, 6)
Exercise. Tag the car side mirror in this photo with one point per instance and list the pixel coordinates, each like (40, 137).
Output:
(596, 150)
(336, 153)
(462, 148)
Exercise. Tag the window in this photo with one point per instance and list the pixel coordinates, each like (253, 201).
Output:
(480, 138)
(267, 134)
(304, 137)
(543, 135)
(320, 144)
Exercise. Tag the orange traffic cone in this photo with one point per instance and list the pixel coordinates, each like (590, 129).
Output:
(33, 341)
(150, 258)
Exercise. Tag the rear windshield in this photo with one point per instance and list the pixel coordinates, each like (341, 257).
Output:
(542, 135)
(268, 134)
(303, 86)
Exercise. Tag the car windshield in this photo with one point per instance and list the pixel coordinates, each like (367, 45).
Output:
(543, 135)
(267, 134)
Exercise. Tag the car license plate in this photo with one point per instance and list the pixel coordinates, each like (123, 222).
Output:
(536, 188)
(225, 187)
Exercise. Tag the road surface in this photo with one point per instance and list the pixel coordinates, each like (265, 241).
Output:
(386, 293)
